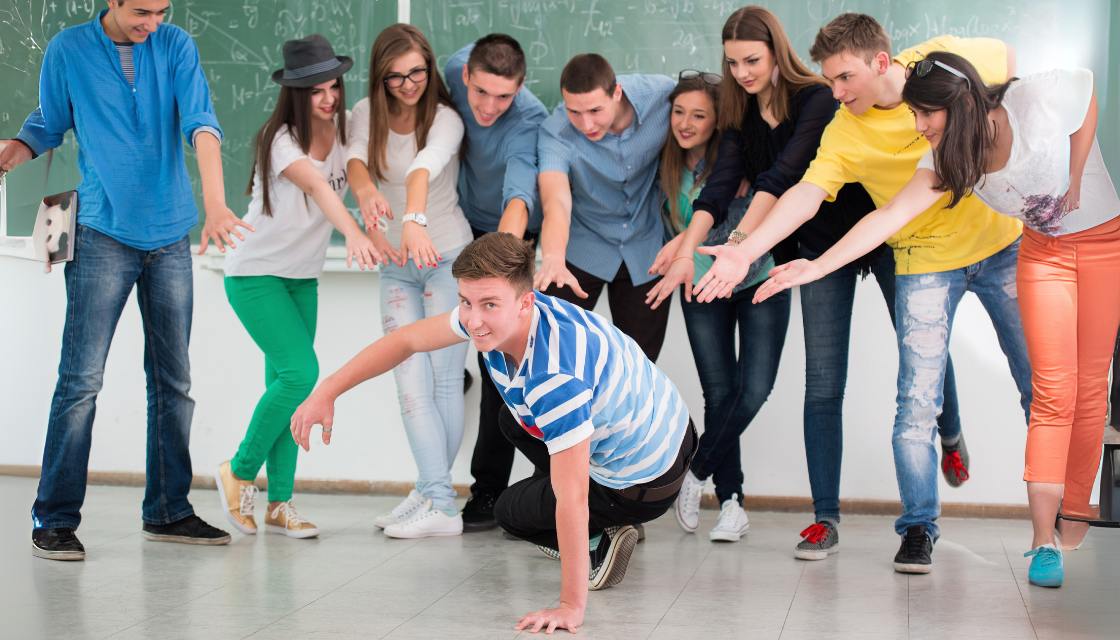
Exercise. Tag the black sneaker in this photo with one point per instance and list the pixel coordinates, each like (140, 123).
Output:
(954, 463)
(56, 544)
(611, 558)
(478, 513)
(189, 530)
(914, 556)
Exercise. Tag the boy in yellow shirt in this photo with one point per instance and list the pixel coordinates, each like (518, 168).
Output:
(939, 256)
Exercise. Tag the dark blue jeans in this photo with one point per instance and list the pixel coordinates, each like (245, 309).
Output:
(826, 312)
(734, 386)
(98, 283)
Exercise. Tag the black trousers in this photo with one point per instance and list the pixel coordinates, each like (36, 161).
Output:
(629, 310)
(492, 459)
(1114, 396)
(527, 509)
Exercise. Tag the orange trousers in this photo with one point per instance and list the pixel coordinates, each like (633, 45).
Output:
(1069, 297)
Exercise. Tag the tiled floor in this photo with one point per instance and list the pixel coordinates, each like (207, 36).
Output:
(353, 582)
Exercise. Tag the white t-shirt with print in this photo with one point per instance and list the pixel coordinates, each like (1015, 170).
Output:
(447, 226)
(292, 243)
(1043, 110)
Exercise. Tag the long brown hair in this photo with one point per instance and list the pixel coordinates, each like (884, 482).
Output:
(393, 42)
(760, 25)
(674, 158)
(293, 110)
(967, 142)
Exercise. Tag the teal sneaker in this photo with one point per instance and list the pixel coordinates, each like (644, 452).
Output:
(1046, 566)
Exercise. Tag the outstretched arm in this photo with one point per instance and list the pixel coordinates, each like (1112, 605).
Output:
(429, 334)
(870, 232)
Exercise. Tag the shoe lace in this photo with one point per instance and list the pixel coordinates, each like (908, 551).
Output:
(247, 502)
(815, 533)
(291, 517)
(914, 542)
(407, 506)
(1047, 556)
(952, 463)
(728, 513)
(691, 495)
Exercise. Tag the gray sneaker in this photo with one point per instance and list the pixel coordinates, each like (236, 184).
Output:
(818, 542)
(954, 463)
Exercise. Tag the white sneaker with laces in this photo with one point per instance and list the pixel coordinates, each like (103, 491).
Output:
(426, 523)
(732, 524)
(403, 511)
(687, 506)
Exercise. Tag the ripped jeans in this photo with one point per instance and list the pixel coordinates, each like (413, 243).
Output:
(429, 385)
(924, 308)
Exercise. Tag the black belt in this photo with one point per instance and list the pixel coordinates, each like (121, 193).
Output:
(668, 484)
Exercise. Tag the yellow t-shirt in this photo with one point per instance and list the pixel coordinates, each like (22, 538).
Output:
(880, 150)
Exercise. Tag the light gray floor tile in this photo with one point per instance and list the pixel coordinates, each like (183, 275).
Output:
(353, 582)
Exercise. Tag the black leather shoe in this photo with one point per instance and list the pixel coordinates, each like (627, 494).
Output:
(189, 530)
(478, 513)
(56, 544)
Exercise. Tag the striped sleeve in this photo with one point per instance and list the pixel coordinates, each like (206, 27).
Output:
(561, 406)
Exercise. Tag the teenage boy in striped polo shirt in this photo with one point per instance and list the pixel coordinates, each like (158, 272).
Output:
(609, 427)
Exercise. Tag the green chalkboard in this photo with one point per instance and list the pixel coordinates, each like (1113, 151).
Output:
(665, 36)
(239, 42)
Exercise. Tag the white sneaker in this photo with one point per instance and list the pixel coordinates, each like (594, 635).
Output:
(687, 506)
(426, 523)
(733, 522)
(403, 511)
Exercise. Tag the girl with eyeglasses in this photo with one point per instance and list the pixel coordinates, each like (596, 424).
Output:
(404, 167)
(1028, 149)
(772, 112)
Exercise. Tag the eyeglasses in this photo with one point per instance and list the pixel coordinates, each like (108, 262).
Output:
(416, 76)
(921, 69)
(711, 78)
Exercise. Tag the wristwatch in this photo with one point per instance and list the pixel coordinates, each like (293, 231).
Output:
(736, 237)
(416, 217)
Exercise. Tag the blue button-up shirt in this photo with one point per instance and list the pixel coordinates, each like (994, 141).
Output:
(499, 162)
(615, 197)
(134, 185)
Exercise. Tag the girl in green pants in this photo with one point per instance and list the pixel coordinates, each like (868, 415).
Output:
(299, 179)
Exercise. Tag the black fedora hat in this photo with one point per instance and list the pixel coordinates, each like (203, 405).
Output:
(310, 61)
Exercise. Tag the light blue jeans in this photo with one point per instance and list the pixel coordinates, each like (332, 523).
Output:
(924, 308)
(429, 385)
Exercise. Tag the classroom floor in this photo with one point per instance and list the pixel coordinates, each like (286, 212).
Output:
(355, 583)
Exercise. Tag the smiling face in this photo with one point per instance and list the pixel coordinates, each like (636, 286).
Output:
(855, 82)
(134, 20)
(495, 315)
(407, 78)
(325, 98)
(930, 124)
(593, 113)
(488, 95)
(692, 119)
(751, 63)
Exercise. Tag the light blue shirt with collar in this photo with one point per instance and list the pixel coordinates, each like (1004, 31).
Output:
(499, 162)
(616, 200)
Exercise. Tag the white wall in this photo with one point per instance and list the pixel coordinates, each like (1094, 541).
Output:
(369, 442)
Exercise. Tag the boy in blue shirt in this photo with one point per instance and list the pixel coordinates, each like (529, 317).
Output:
(609, 430)
(497, 192)
(598, 154)
(129, 86)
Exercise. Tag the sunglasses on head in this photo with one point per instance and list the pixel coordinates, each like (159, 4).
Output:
(711, 78)
(921, 69)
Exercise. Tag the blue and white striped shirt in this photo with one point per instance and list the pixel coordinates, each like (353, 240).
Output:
(616, 202)
(582, 377)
